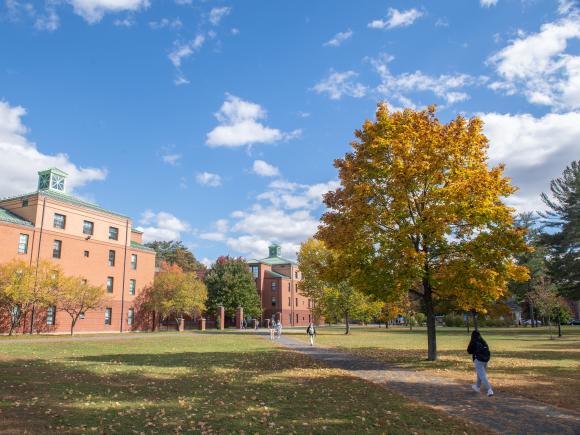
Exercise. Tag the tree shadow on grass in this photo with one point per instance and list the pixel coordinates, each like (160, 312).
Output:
(219, 391)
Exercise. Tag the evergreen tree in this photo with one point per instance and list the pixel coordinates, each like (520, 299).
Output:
(563, 216)
(231, 284)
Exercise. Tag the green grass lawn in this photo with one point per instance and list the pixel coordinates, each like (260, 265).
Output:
(524, 360)
(195, 383)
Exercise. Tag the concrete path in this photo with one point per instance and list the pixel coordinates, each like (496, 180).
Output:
(506, 415)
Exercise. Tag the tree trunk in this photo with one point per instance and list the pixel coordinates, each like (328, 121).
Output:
(32, 321)
(474, 315)
(532, 317)
(347, 323)
(559, 327)
(431, 333)
(550, 327)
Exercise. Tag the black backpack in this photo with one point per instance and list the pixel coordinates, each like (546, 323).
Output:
(482, 352)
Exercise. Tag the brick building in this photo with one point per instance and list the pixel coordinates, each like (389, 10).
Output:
(84, 240)
(277, 281)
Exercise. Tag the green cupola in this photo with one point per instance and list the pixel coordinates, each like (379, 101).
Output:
(52, 179)
(275, 250)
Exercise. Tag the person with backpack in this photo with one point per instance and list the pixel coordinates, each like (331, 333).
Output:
(480, 353)
(311, 332)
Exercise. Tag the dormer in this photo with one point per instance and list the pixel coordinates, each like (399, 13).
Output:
(52, 179)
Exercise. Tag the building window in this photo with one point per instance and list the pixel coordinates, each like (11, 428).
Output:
(290, 318)
(24, 203)
(130, 316)
(109, 284)
(51, 315)
(86, 253)
(309, 306)
(88, 228)
(132, 287)
(296, 302)
(113, 233)
(273, 301)
(23, 244)
(56, 248)
(111, 258)
(57, 182)
(82, 315)
(296, 318)
(59, 221)
(274, 285)
(296, 275)
(255, 271)
(134, 261)
(289, 302)
(108, 315)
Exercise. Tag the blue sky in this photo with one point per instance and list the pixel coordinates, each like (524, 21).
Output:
(216, 122)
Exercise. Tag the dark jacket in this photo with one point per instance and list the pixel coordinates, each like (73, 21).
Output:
(478, 348)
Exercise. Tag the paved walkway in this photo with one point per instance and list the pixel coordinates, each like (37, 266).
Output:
(510, 415)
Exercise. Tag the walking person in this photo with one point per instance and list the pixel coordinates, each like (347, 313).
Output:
(272, 326)
(278, 329)
(480, 353)
(311, 332)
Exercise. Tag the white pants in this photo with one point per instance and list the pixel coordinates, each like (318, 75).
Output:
(311, 338)
(481, 375)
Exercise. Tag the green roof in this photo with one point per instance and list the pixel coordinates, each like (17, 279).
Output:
(275, 274)
(69, 199)
(273, 261)
(136, 245)
(7, 216)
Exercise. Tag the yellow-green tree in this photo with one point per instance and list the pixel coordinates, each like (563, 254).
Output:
(333, 297)
(313, 259)
(419, 210)
(76, 296)
(24, 288)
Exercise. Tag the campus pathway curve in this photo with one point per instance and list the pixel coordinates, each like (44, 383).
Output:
(510, 415)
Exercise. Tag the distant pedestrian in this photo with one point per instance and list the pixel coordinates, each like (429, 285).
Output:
(311, 332)
(278, 329)
(271, 325)
(480, 353)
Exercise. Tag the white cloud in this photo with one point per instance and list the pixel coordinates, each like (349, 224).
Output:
(446, 86)
(94, 10)
(161, 226)
(487, 3)
(50, 21)
(209, 179)
(206, 261)
(265, 169)
(125, 22)
(396, 18)
(239, 125)
(172, 159)
(164, 23)
(21, 160)
(219, 233)
(534, 150)
(184, 50)
(539, 66)
(339, 38)
(217, 14)
(286, 213)
(339, 84)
